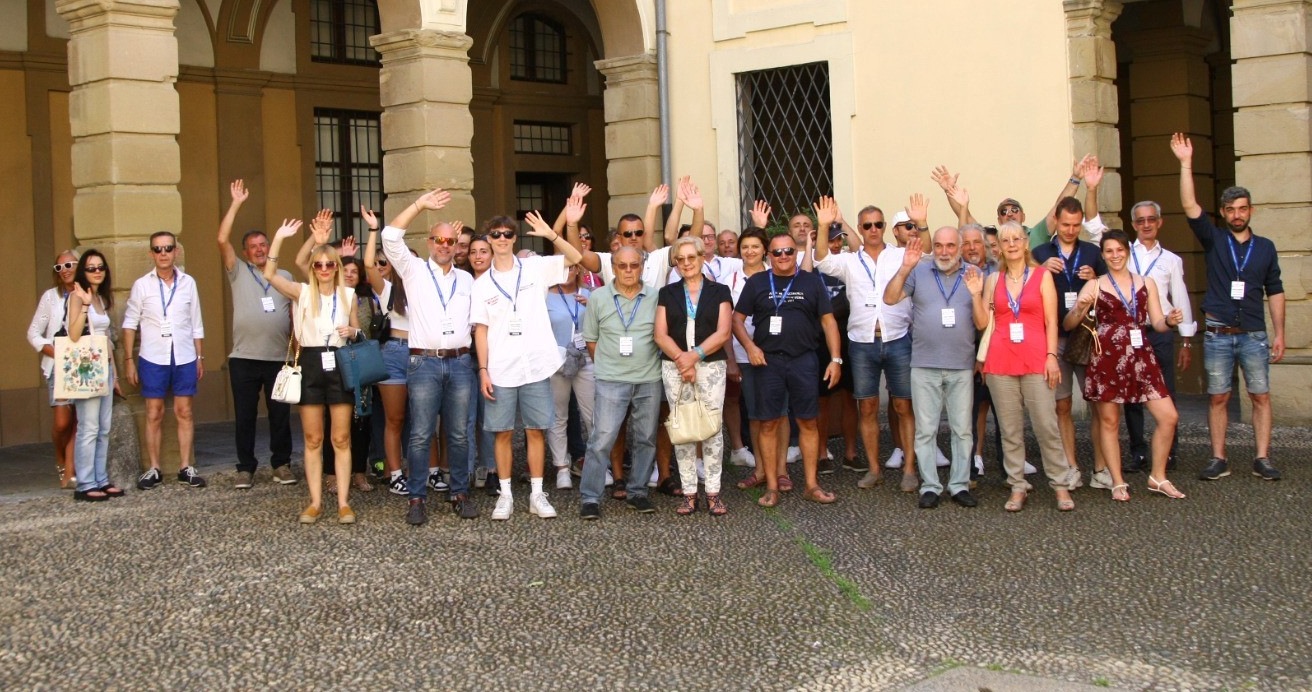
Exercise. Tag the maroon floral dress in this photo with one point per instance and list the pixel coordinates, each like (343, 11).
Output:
(1122, 374)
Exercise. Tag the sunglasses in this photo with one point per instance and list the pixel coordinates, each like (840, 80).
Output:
(161, 249)
(1010, 209)
(447, 242)
(380, 262)
(784, 251)
(628, 266)
(872, 224)
(327, 264)
(1145, 219)
(633, 234)
(498, 235)
(908, 225)
(585, 236)
(94, 268)
(65, 266)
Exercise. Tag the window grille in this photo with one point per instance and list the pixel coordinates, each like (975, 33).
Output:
(541, 138)
(785, 140)
(340, 31)
(348, 167)
(537, 49)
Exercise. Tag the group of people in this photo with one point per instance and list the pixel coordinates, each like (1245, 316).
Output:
(772, 334)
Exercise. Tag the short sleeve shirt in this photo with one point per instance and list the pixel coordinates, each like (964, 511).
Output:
(798, 300)
(933, 344)
(513, 305)
(261, 321)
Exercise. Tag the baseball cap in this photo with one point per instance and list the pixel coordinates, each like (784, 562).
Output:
(835, 231)
(1007, 203)
(900, 217)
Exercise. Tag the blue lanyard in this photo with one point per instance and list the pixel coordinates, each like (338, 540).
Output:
(1135, 257)
(1132, 304)
(1239, 267)
(255, 276)
(938, 279)
(778, 302)
(492, 272)
(574, 311)
(333, 319)
(1013, 302)
(715, 273)
(632, 315)
(687, 301)
(177, 279)
(1072, 264)
(441, 297)
(861, 255)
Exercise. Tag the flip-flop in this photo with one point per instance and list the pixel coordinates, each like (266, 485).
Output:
(819, 495)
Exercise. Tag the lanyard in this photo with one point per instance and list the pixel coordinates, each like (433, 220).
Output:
(1013, 302)
(1135, 257)
(333, 320)
(778, 302)
(632, 315)
(1071, 268)
(255, 276)
(1132, 304)
(177, 279)
(492, 273)
(861, 255)
(441, 297)
(690, 306)
(947, 297)
(574, 311)
(715, 273)
(1239, 267)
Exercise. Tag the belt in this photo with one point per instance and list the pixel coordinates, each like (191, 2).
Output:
(439, 352)
(1226, 330)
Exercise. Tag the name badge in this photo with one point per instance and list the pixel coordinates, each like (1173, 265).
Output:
(515, 326)
(577, 340)
(870, 300)
(626, 346)
(448, 326)
(267, 303)
(776, 324)
(329, 360)
(1237, 290)
(1136, 338)
(1017, 332)
(949, 317)
(166, 327)
(1070, 299)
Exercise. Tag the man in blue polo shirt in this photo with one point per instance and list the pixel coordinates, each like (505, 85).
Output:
(1241, 269)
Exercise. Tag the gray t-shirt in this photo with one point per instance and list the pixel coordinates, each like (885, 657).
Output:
(604, 325)
(934, 345)
(257, 334)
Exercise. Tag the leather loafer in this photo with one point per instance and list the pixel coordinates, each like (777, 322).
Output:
(928, 500)
(965, 499)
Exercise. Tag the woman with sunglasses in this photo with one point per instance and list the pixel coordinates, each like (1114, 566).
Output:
(482, 441)
(323, 319)
(368, 313)
(46, 322)
(89, 304)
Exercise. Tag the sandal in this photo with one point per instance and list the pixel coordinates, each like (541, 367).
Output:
(1017, 501)
(670, 487)
(751, 481)
(112, 490)
(87, 496)
(785, 483)
(769, 498)
(330, 484)
(688, 506)
(1065, 505)
(716, 505)
(361, 482)
(1121, 492)
(819, 495)
(618, 490)
(1164, 487)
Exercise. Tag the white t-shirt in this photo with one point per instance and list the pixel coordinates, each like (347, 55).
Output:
(513, 304)
(736, 281)
(334, 311)
(399, 321)
(655, 270)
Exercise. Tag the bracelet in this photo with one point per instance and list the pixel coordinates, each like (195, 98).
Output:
(553, 240)
(1054, 355)
(1074, 180)
(482, 368)
(701, 355)
(271, 257)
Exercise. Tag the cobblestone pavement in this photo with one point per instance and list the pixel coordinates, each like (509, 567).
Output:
(219, 588)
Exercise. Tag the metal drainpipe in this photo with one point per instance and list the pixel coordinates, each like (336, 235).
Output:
(663, 90)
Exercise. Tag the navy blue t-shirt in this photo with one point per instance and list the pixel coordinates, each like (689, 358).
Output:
(1261, 275)
(803, 298)
(1085, 254)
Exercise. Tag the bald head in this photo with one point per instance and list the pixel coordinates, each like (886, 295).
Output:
(627, 264)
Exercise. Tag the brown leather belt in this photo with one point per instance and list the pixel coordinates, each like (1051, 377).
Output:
(1225, 330)
(439, 352)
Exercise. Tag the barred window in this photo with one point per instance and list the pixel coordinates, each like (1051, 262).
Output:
(785, 140)
(340, 31)
(542, 138)
(348, 167)
(537, 49)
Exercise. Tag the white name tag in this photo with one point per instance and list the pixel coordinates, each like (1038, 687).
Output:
(626, 345)
(448, 326)
(1017, 332)
(577, 340)
(871, 300)
(949, 317)
(1237, 290)
(1136, 338)
(1070, 299)
(776, 324)
(515, 326)
(166, 327)
(329, 360)
(267, 303)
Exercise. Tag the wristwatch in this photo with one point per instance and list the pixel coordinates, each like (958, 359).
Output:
(836, 360)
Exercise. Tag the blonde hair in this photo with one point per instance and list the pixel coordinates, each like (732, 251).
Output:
(694, 241)
(330, 253)
(1027, 258)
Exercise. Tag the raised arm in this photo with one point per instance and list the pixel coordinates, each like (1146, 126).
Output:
(1093, 224)
(894, 292)
(826, 211)
(948, 182)
(658, 197)
(538, 227)
(1069, 189)
(431, 201)
(580, 190)
(691, 197)
(959, 199)
(1183, 149)
(670, 232)
(78, 302)
(239, 195)
(371, 249)
(321, 227)
(290, 289)
(979, 286)
(573, 213)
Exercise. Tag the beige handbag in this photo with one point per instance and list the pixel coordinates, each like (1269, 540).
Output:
(691, 421)
(983, 351)
(287, 386)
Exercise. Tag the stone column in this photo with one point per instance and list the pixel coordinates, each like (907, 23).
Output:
(633, 138)
(1091, 57)
(122, 65)
(425, 88)
(1271, 43)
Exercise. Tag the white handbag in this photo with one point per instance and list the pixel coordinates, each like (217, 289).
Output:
(689, 420)
(287, 386)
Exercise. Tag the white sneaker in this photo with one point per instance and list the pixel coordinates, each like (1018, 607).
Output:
(742, 457)
(505, 505)
(610, 478)
(894, 461)
(701, 470)
(979, 465)
(1029, 469)
(943, 461)
(1101, 480)
(538, 504)
(655, 477)
(563, 480)
(794, 455)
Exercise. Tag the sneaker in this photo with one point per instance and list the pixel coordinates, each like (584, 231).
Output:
(910, 483)
(794, 455)
(610, 478)
(245, 479)
(378, 467)
(480, 476)
(640, 504)
(282, 475)
(493, 486)
(398, 485)
(1263, 468)
(1029, 470)
(870, 480)
(655, 477)
(505, 505)
(464, 506)
(1074, 479)
(742, 457)
(437, 481)
(895, 460)
(1216, 468)
(942, 461)
(979, 465)
(149, 479)
(417, 514)
(539, 505)
(701, 470)
(590, 511)
(826, 467)
(563, 480)
(1135, 464)
(1101, 480)
(190, 478)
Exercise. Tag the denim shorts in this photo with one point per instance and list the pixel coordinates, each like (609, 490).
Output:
(785, 385)
(50, 393)
(158, 381)
(747, 397)
(1251, 350)
(892, 359)
(533, 402)
(396, 356)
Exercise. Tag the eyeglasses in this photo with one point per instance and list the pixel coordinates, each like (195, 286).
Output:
(872, 224)
(94, 268)
(686, 258)
(633, 234)
(161, 249)
(380, 262)
(498, 235)
(628, 266)
(1146, 219)
(1009, 209)
(328, 264)
(65, 266)
(448, 242)
(784, 251)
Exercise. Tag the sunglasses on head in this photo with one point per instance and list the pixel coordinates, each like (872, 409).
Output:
(784, 251)
(161, 249)
(94, 268)
(65, 266)
(633, 234)
(497, 235)
(445, 242)
(872, 224)
(325, 264)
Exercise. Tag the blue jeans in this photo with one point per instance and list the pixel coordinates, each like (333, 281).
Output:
(613, 401)
(481, 440)
(932, 390)
(892, 359)
(438, 386)
(1251, 350)
(91, 449)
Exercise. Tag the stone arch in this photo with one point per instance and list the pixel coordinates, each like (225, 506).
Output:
(195, 33)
